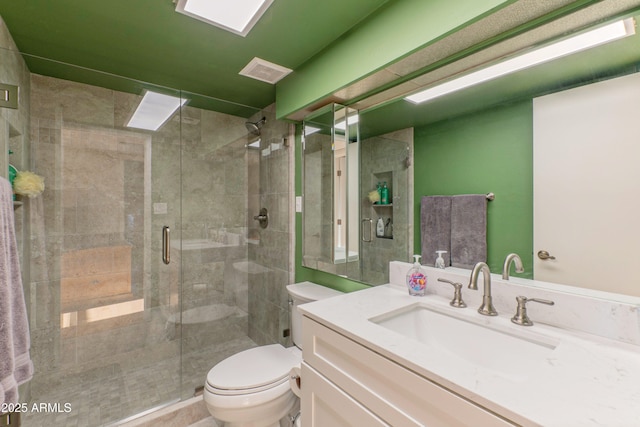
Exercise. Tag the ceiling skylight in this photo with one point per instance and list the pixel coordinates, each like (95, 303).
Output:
(580, 42)
(154, 109)
(236, 16)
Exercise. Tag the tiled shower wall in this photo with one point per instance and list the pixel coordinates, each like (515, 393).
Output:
(270, 265)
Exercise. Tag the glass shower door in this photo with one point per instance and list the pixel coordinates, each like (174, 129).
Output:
(215, 234)
(104, 291)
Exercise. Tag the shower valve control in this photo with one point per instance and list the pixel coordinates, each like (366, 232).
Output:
(262, 218)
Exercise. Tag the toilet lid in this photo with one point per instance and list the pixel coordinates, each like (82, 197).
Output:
(253, 368)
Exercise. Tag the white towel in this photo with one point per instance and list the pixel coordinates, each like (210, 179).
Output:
(15, 363)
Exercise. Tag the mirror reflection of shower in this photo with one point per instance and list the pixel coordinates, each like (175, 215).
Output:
(254, 129)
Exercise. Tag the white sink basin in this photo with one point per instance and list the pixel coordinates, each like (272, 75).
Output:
(496, 349)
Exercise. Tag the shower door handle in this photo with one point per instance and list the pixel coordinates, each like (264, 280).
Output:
(166, 249)
(363, 225)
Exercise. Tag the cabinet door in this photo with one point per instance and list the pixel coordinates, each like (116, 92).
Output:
(324, 404)
(392, 392)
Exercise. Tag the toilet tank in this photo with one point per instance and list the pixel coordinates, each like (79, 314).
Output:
(302, 293)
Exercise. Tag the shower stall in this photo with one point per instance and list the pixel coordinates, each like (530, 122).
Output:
(142, 263)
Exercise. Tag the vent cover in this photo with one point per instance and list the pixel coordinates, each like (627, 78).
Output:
(265, 71)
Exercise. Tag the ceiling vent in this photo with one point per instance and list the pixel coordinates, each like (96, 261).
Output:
(265, 71)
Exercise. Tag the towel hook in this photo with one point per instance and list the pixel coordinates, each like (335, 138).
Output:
(490, 196)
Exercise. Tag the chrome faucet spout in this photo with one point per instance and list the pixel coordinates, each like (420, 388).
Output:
(507, 263)
(487, 304)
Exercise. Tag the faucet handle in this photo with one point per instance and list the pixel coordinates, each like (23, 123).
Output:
(457, 293)
(521, 318)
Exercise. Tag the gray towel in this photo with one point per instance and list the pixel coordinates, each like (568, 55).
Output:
(468, 230)
(15, 363)
(435, 228)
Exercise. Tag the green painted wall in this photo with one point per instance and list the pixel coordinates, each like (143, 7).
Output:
(489, 151)
(395, 30)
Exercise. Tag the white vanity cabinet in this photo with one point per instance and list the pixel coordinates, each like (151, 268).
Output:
(327, 405)
(347, 384)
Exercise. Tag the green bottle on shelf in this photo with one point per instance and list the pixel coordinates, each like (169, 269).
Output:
(384, 194)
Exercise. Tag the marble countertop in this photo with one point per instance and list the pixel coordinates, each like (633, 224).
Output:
(587, 380)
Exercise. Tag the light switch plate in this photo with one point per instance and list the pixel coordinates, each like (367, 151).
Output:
(298, 203)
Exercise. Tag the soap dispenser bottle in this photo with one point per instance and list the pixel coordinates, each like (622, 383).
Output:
(440, 260)
(416, 279)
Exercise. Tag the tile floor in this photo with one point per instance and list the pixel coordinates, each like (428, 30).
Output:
(107, 394)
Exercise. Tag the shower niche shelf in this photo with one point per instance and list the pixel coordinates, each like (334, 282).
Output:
(384, 211)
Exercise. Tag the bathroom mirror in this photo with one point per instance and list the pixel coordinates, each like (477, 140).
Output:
(348, 229)
(330, 165)
(503, 109)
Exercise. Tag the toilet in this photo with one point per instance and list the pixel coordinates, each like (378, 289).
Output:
(252, 388)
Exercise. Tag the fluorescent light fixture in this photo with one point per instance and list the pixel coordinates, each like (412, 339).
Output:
(236, 16)
(154, 109)
(580, 42)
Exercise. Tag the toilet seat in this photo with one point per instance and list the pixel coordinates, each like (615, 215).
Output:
(252, 371)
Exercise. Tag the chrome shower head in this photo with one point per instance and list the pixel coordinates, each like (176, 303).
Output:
(254, 128)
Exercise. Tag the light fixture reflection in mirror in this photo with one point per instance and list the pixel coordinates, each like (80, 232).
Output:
(586, 40)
